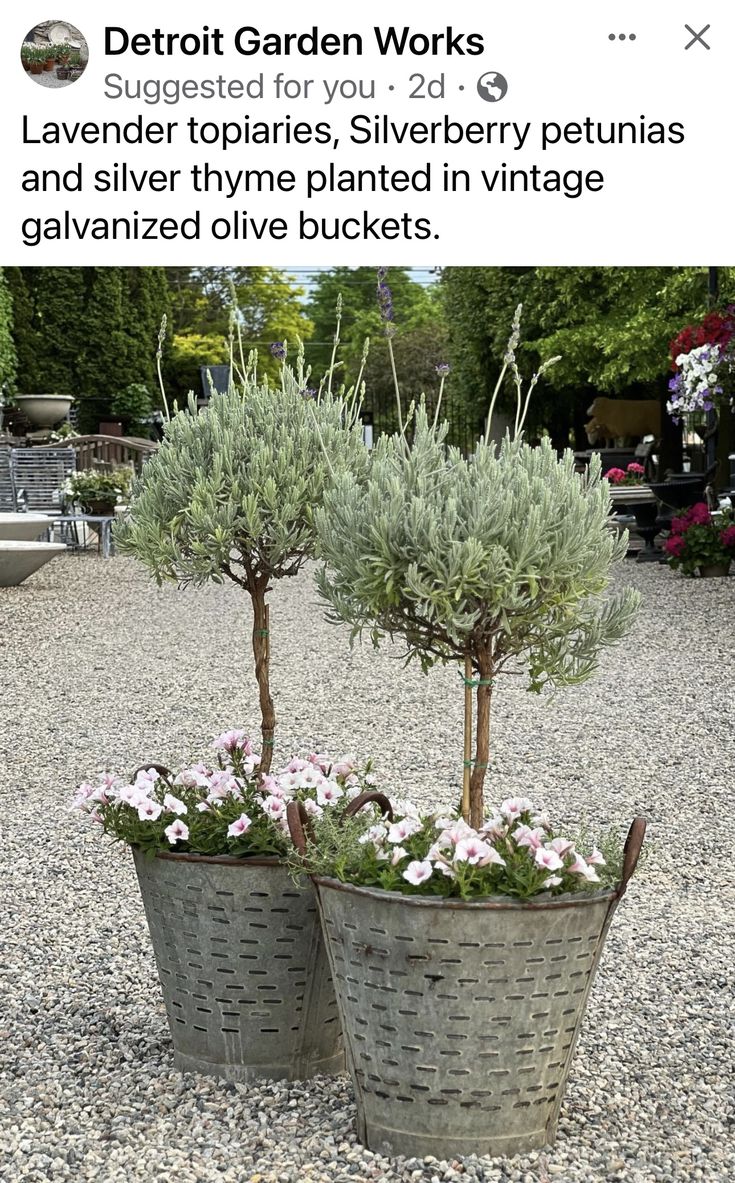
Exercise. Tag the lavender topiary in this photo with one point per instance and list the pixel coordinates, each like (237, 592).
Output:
(483, 561)
(231, 494)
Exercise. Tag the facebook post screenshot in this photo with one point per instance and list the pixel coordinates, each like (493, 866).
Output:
(367, 588)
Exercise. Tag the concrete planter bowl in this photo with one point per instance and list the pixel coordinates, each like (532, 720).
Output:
(243, 967)
(44, 410)
(461, 1018)
(23, 527)
(19, 560)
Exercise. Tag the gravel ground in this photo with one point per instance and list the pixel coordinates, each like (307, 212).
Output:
(99, 667)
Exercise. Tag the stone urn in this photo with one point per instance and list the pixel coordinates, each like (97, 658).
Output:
(44, 410)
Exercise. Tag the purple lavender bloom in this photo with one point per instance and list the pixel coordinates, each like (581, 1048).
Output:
(278, 350)
(308, 392)
(385, 297)
(443, 368)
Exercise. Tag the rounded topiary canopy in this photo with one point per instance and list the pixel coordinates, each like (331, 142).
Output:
(501, 556)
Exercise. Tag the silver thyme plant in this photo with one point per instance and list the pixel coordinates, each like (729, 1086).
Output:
(483, 561)
(232, 491)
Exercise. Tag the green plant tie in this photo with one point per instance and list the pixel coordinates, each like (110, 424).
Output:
(476, 764)
(268, 742)
(262, 632)
(476, 681)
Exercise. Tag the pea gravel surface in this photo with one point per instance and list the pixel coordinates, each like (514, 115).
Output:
(99, 668)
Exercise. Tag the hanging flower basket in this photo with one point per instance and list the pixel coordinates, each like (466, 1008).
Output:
(461, 1016)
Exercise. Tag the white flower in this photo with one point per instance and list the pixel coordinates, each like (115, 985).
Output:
(581, 867)
(596, 859)
(312, 808)
(397, 855)
(513, 807)
(177, 832)
(329, 792)
(400, 831)
(146, 779)
(533, 838)
(548, 859)
(552, 881)
(560, 845)
(204, 807)
(131, 795)
(418, 872)
(193, 778)
(173, 805)
(275, 807)
(149, 810)
(476, 852)
(240, 826)
(376, 834)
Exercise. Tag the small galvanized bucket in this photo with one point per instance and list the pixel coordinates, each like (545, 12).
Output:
(460, 1018)
(243, 967)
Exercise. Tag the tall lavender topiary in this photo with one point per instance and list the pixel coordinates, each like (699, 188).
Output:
(231, 494)
(486, 561)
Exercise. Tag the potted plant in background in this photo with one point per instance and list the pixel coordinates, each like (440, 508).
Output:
(702, 543)
(461, 993)
(49, 57)
(230, 495)
(242, 965)
(36, 60)
(99, 492)
(26, 54)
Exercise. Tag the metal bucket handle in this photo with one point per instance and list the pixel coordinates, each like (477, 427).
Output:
(299, 822)
(161, 769)
(633, 844)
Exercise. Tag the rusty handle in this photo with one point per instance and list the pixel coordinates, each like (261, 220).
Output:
(368, 798)
(299, 825)
(161, 769)
(633, 844)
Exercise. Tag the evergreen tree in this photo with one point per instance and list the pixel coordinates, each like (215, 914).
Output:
(49, 303)
(103, 365)
(8, 358)
(19, 281)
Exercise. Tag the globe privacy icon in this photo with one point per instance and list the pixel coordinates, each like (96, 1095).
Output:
(492, 87)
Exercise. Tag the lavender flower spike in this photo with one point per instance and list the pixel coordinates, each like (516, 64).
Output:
(278, 350)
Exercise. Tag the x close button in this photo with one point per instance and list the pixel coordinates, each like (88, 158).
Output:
(697, 37)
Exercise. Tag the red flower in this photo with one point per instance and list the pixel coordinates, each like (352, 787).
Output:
(674, 545)
(727, 536)
(717, 328)
(699, 515)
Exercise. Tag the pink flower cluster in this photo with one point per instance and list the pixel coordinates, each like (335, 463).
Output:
(632, 475)
(513, 852)
(203, 804)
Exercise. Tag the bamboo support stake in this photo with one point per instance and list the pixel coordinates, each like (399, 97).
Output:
(467, 737)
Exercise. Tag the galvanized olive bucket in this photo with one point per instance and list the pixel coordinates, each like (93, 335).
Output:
(243, 967)
(461, 1019)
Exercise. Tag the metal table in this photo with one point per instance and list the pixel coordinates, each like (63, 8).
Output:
(103, 524)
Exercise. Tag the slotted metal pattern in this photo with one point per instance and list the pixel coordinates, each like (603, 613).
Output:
(460, 1019)
(41, 473)
(243, 968)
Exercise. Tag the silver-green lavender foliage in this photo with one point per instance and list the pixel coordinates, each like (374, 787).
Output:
(508, 553)
(233, 488)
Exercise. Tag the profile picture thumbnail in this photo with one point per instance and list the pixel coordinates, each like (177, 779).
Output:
(54, 54)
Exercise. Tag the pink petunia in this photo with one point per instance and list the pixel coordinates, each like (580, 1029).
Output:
(400, 831)
(562, 846)
(149, 810)
(398, 854)
(328, 792)
(476, 853)
(275, 807)
(532, 837)
(173, 805)
(239, 827)
(233, 741)
(418, 872)
(548, 859)
(596, 859)
(513, 807)
(177, 832)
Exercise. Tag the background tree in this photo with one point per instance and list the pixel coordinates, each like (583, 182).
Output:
(8, 359)
(270, 308)
(612, 326)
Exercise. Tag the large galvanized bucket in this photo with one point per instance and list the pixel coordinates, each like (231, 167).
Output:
(243, 967)
(461, 1019)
